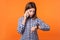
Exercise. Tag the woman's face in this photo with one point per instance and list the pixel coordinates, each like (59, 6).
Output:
(31, 11)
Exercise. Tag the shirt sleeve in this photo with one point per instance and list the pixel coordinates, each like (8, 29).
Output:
(42, 25)
(20, 27)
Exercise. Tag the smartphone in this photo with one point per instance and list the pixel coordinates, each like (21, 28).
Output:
(27, 15)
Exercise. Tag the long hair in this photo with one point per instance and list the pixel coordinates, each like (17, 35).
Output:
(31, 5)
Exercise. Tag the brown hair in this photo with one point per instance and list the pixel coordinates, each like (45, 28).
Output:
(31, 5)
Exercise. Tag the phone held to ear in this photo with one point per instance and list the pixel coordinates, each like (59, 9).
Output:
(27, 15)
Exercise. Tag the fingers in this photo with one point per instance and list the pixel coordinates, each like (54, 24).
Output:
(33, 29)
(26, 13)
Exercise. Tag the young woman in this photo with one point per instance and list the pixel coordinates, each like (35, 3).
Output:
(29, 23)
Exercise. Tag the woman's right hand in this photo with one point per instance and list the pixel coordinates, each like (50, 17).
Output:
(26, 14)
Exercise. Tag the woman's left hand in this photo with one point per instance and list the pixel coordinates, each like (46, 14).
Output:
(33, 29)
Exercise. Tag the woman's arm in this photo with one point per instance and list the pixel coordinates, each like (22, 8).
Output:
(22, 22)
(42, 25)
(21, 25)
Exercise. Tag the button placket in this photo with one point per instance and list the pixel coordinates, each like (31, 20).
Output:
(30, 27)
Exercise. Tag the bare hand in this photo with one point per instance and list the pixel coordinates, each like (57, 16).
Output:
(26, 14)
(25, 17)
(33, 29)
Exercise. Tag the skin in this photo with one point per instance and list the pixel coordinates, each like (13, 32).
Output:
(29, 12)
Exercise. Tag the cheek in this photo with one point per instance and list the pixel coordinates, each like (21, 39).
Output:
(31, 13)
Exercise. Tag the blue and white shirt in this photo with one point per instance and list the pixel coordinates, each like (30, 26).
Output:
(25, 30)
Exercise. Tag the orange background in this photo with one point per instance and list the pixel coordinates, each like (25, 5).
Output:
(11, 10)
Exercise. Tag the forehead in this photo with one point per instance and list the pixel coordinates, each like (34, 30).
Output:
(32, 9)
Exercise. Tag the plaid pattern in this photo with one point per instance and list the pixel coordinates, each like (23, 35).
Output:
(25, 30)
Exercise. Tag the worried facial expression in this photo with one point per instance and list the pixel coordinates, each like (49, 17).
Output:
(31, 11)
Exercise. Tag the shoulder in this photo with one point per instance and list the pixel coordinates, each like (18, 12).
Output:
(38, 19)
